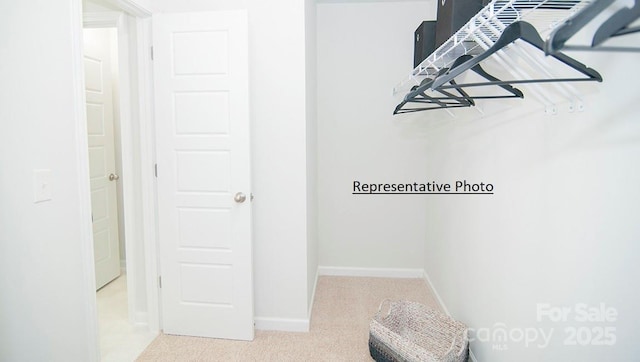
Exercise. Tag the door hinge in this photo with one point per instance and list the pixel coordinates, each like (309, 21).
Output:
(151, 53)
(155, 170)
(159, 281)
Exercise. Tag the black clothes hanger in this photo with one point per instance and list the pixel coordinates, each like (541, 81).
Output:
(400, 108)
(449, 100)
(423, 102)
(513, 92)
(528, 33)
(615, 25)
(563, 33)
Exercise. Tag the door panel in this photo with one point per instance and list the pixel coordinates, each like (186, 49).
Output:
(104, 207)
(202, 126)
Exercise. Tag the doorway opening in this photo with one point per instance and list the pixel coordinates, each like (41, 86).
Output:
(116, 72)
(117, 334)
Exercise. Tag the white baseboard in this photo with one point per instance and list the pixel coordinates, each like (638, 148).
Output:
(282, 324)
(289, 324)
(141, 328)
(427, 280)
(371, 272)
(139, 318)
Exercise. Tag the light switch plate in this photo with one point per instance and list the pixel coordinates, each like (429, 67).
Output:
(42, 185)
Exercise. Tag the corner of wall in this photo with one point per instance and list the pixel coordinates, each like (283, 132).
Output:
(313, 293)
(433, 290)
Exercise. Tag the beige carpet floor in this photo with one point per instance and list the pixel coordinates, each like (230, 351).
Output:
(339, 329)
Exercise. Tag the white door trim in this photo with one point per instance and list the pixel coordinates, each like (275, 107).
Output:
(130, 7)
(148, 161)
(103, 19)
(84, 190)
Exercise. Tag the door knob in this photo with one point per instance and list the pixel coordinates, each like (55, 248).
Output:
(239, 197)
(113, 177)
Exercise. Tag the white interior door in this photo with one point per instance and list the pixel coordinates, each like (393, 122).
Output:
(102, 164)
(202, 126)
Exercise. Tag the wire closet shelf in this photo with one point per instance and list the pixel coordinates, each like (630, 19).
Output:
(484, 29)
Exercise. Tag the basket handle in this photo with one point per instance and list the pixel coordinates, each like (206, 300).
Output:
(386, 300)
(453, 343)
(462, 345)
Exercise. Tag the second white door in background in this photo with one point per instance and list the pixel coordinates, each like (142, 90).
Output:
(104, 206)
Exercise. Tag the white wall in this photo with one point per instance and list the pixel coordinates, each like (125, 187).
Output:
(278, 74)
(277, 68)
(562, 227)
(364, 49)
(47, 309)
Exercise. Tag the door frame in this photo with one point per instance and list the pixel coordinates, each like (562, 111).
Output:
(139, 192)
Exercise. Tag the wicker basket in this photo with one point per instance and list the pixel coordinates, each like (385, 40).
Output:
(413, 332)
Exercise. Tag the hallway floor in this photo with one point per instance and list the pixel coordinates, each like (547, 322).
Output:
(120, 341)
